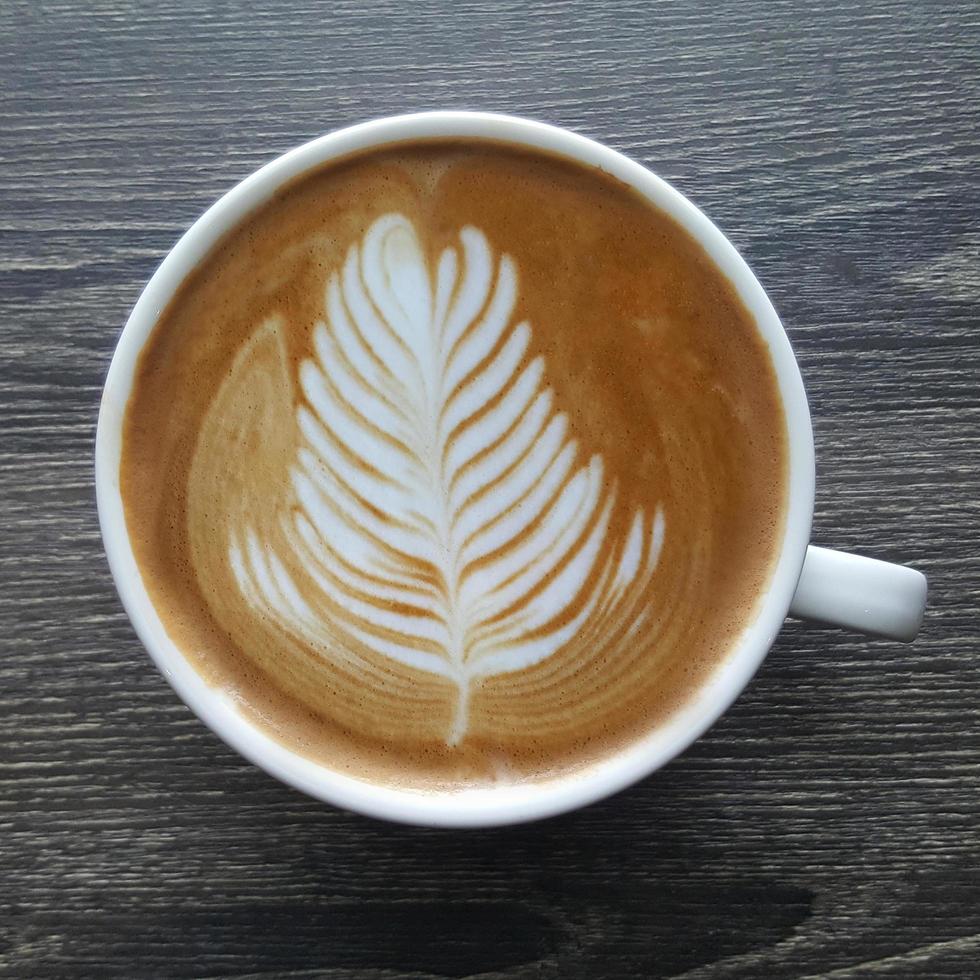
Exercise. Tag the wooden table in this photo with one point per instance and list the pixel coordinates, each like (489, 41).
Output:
(828, 826)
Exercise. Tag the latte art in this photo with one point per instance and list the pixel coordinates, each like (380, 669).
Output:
(438, 503)
(454, 464)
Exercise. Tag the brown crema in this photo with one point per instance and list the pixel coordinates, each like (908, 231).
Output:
(233, 468)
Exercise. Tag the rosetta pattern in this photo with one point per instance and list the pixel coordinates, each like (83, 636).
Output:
(442, 515)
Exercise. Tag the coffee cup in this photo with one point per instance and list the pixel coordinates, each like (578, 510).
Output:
(387, 264)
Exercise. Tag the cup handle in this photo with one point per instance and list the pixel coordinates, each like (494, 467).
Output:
(865, 594)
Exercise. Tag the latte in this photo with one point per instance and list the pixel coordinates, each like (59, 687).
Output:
(455, 463)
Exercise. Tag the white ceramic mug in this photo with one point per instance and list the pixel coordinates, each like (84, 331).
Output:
(809, 582)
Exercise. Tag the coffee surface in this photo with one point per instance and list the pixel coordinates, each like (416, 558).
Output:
(455, 463)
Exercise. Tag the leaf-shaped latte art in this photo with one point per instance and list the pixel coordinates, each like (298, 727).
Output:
(441, 514)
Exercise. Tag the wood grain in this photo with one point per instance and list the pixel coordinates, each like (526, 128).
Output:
(829, 825)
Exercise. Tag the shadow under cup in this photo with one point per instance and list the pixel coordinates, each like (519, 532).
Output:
(476, 805)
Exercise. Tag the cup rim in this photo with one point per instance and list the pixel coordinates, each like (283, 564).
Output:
(484, 806)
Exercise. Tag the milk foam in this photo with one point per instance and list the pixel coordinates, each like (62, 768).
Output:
(439, 513)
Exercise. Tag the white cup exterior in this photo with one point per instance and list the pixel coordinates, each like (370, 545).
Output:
(472, 806)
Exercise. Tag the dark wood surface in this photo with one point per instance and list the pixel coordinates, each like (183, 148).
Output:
(828, 825)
